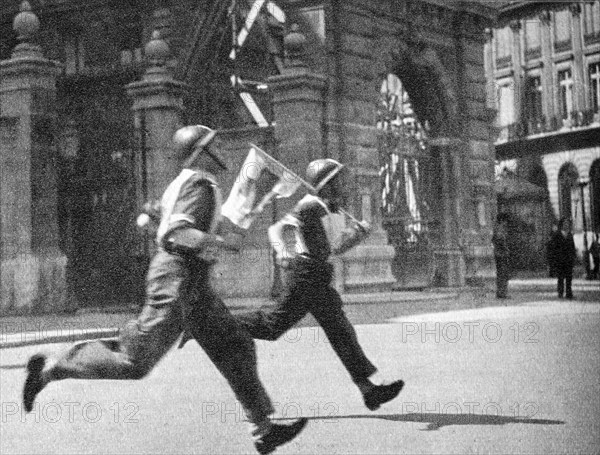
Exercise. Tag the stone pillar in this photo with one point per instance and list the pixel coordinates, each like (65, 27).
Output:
(368, 266)
(32, 267)
(488, 50)
(297, 100)
(157, 107)
(517, 64)
(547, 68)
(578, 60)
(353, 138)
(449, 256)
(298, 107)
(300, 130)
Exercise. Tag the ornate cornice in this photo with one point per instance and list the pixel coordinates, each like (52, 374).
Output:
(527, 9)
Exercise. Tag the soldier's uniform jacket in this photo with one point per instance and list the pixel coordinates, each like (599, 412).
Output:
(193, 200)
(318, 231)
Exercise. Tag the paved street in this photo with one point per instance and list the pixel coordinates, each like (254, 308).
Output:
(519, 379)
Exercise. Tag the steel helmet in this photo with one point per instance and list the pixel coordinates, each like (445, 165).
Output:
(321, 171)
(191, 137)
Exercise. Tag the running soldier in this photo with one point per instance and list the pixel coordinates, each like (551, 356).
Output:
(179, 297)
(304, 241)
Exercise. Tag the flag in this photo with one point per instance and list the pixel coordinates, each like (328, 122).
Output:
(260, 179)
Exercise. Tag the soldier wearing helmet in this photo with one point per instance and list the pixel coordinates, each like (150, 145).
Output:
(304, 241)
(179, 297)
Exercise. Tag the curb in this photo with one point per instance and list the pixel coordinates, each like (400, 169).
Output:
(17, 340)
(355, 299)
(34, 338)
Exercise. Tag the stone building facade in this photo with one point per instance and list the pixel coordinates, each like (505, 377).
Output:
(543, 67)
(304, 80)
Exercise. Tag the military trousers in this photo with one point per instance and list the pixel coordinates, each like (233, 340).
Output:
(307, 289)
(179, 297)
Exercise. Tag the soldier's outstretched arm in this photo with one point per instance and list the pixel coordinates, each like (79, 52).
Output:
(190, 219)
(359, 232)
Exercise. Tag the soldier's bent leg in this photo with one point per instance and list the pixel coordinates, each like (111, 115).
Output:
(232, 351)
(272, 323)
(141, 344)
(328, 312)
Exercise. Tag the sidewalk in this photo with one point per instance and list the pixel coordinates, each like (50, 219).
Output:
(86, 324)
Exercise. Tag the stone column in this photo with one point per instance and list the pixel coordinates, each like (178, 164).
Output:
(297, 116)
(300, 130)
(352, 137)
(32, 267)
(298, 107)
(157, 107)
(368, 266)
(547, 68)
(488, 50)
(578, 61)
(517, 64)
(449, 256)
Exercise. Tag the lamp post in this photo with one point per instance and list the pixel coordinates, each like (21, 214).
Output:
(586, 259)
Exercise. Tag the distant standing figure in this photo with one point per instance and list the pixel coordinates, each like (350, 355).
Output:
(561, 257)
(595, 252)
(502, 256)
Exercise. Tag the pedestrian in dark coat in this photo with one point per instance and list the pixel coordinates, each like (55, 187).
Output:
(561, 257)
(179, 297)
(502, 256)
(595, 253)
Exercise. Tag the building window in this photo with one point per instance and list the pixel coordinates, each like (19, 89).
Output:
(565, 81)
(506, 103)
(594, 73)
(532, 39)
(503, 39)
(567, 190)
(533, 103)
(74, 54)
(591, 14)
(130, 40)
(562, 30)
(506, 115)
(315, 18)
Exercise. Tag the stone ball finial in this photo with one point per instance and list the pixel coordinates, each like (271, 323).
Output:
(294, 44)
(157, 50)
(26, 23)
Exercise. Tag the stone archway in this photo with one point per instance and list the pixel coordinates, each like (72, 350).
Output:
(426, 79)
(434, 101)
(406, 168)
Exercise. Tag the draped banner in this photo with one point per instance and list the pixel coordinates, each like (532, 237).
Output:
(260, 179)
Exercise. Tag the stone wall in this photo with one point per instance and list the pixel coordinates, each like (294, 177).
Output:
(438, 54)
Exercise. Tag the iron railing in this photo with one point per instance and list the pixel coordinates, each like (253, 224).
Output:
(540, 125)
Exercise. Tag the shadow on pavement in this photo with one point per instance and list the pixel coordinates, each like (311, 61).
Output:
(436, 421)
